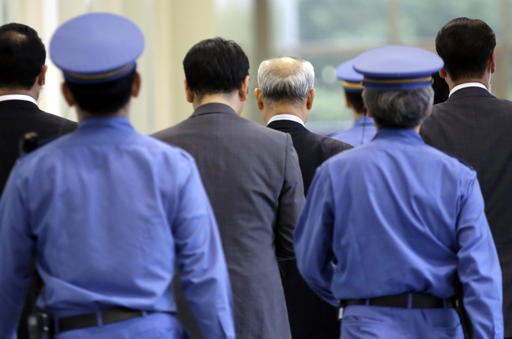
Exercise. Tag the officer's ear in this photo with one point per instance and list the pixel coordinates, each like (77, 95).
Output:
(136, 85)
(68, 96)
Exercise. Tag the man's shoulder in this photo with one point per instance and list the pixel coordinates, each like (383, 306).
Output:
(55, 124)
(237, 126)
(159, 145)
(54, 118)
(34, 118)
(487, 110)
(333, 145)
(326, 145)
(486, 102)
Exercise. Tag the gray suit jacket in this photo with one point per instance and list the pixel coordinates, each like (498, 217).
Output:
(252, 177)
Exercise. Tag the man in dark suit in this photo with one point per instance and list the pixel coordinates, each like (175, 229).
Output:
(285, 97)
(475, 126)
(252, 177)
(22, 75)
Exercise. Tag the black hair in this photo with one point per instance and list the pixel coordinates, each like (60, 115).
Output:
(103, 98)
(215, 66)
(22, 56)
(466, 46)
(356, 100)
(441, 90)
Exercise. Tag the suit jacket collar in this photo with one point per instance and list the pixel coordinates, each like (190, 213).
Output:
(22, 97)
(211, 108)
(18, 105)
(287, 126)
(470, 92)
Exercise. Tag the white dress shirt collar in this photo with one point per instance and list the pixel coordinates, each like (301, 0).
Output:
(286, 117)
(465, 85)
(18, 97)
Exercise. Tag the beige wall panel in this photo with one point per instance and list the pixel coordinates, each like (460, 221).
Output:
(163, 96)
(190, 21)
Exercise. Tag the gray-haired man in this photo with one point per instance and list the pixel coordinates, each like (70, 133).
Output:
(285, 97)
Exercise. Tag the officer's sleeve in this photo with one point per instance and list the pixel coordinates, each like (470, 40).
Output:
(199, 255)
(16, 255)
(313, 236)
(291, 201)
(478, 266)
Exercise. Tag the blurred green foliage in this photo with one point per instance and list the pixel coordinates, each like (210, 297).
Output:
(352, 25)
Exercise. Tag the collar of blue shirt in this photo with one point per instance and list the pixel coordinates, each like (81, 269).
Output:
(116, 122)
(407, 134)
(364, 120)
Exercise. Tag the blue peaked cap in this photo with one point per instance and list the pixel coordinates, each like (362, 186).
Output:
(351, 80)
(96, 47)
(397, 67)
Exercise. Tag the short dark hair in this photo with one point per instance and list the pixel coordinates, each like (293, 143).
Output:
(441, 89)
(215, 66)
(466, 46)
(103, 98)
(22, 56)
(356, 100)
(399, 109)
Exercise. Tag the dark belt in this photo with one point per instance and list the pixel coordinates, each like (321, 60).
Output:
(418, 300)
(91, 319)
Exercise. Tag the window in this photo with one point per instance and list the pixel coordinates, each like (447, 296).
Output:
(328, 32)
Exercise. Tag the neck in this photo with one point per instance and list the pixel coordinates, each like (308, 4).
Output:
(123, 112)
(415, 129)
(33, 92)
(356, 115)
(230, 99)
(484, 80)
(276, 108)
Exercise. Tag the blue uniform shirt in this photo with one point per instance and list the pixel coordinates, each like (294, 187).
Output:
(362, 132)
(107, 213)
(397, 216)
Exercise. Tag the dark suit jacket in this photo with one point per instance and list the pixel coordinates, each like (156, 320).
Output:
(310, 316)
(18, 117)
(252, 177)
(313, 149)
(476, 127)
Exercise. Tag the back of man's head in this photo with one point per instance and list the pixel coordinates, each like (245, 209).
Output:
(22, 56)
(466, 46)
(286, 79)
(103, 98)
(215, 66)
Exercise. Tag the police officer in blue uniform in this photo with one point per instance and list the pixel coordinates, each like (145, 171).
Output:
(363, 130)
(107, 213)
(389, 226)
